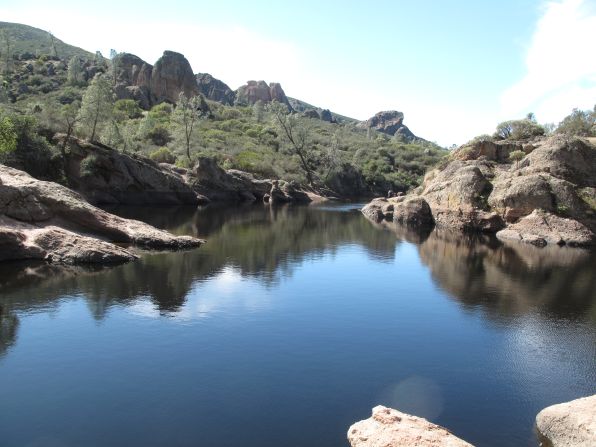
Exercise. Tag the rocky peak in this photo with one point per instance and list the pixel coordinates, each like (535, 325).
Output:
(171, 75)
(214, 89)
(254, 91)
(390, 122)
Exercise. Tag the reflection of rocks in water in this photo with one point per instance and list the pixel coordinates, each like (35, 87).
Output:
(259, 241)
(9, 324)
(512, 279)
(406, 233)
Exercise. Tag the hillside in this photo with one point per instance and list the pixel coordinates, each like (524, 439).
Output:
(239, 129)
(37, 42)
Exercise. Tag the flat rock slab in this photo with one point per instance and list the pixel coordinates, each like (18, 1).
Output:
(570, 424)
(391, 428)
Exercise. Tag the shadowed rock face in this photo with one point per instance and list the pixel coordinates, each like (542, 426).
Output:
(133, 79)
(171, 75)
(254, 91)
(46, 221)
(214, 89)
(118, 178)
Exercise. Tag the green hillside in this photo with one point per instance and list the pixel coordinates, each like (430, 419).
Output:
(37, 42)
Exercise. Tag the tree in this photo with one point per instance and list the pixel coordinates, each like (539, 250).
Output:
(74, 75)
(97, 105)
(516, 156)
(297, 134)
(579, 122)
(185, 116)
(518, 130)
(7, 51)
(69, 115)
(258, 111)
(53, 44)
(8, 135)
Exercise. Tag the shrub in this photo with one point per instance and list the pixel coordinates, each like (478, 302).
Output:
(516, 156)
(89, 165)
(518, 130)
(128, 108)
(159, 135)
(163, 155)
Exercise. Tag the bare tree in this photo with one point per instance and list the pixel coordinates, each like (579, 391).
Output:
(53, 44)
(297, 133)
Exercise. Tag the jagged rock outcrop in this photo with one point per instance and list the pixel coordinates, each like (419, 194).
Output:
(104, 175)
(45, 220)
(254, 91)
(570, 424)
(214, 89)
(133, 79)
(391, 428)
(216, 184)
(390, 122)
(171, 75)
(549, 197)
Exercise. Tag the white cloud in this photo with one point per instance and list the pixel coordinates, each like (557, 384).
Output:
(560, 64)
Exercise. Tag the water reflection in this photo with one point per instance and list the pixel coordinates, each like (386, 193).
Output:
(267, 243)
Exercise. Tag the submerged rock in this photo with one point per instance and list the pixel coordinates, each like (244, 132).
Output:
(570, 424)
(391, 428)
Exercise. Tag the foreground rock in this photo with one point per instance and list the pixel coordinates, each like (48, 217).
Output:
(549, 197)
(390, 428)
(571, 424)
(44, 220)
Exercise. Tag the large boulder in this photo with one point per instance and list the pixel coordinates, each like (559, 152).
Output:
(491, 150)
(413, 211)
(171, 75)
(214, 89)
(133, 79)
(541, 228)
(391, 428)
(570, 424)
(104, 175)
(45, 220)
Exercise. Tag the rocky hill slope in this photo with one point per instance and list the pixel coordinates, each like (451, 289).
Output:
(547, 197)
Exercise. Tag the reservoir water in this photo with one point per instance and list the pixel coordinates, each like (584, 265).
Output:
(288, 326)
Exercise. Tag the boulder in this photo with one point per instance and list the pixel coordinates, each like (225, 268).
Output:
(171, 75)
(491, 150)
(541, 228)
(570, 424)
(45, 220)
(311, 113)
(379, 209)
(327, 116)
(214, 89)
(104, 175)
(413, 211)
(391, 428)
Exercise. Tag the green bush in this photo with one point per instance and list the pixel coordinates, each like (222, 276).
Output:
(163, 155)
(518, 130)
(127, 108)
(160, 135)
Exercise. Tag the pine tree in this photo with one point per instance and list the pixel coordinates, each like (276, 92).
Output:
(96, 106)
(185, 117)
(74, 76)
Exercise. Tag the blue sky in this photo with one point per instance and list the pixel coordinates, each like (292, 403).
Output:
(455, 68)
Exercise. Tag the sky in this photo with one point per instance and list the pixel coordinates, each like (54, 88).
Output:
(455, 68)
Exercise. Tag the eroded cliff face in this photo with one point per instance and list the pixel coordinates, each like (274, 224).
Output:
(214, 89)
(549, 197)
(390, 122)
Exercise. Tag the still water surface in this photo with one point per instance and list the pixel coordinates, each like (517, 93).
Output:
(289, 325)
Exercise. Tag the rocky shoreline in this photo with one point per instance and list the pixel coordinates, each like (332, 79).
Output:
(548, 197)
(570, 424)
(46, 221)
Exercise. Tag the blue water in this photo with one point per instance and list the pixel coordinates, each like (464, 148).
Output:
(288, 326)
